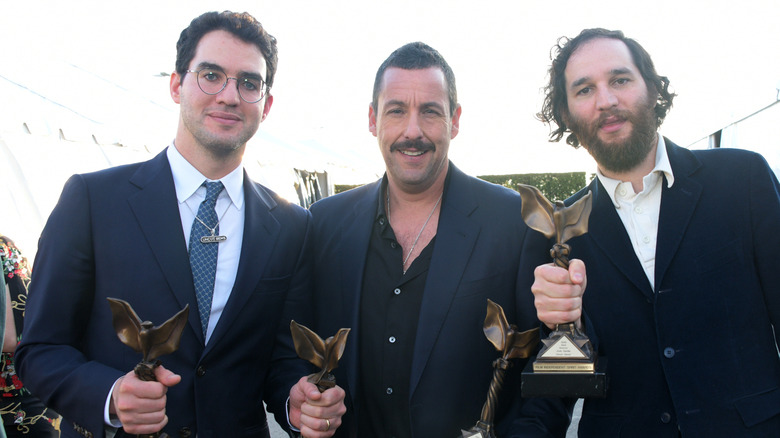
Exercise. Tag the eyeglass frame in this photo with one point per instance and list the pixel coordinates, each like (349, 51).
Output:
(264, 88)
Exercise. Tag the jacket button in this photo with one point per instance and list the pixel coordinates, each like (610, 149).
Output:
(666, 417)
(669, 352)
(200, 372)
(185, 432)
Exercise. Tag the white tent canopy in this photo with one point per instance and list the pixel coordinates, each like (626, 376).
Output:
(49, 131)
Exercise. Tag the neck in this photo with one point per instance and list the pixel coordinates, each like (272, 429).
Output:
(211, 166)
(403, 201)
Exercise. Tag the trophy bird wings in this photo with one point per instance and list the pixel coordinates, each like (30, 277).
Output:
(554, 219)
(152, 342)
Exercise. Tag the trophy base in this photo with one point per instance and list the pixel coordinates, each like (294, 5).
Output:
(478, 434)
(565, 384)
(479, 431)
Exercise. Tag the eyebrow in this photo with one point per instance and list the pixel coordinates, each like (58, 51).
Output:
(613, 72)
(402, 103)
(242, 74)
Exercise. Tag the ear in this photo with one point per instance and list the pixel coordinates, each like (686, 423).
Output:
(176, 87)
(455, 122)
(371, 119)
(269, 100)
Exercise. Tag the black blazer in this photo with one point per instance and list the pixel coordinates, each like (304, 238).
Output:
(476, 257)
(697, 354)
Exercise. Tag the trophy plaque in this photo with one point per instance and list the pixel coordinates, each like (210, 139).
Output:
(322, 354)
(512, 345)
(567, 365)
(143, 337)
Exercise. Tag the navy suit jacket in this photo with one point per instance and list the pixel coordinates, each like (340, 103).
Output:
(117, 233)
(698, 353)
(476, 256)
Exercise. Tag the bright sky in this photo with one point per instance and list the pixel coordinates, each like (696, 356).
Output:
(722, 57)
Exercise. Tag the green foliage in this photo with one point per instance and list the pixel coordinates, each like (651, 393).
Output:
(554, 186)
(338, 188)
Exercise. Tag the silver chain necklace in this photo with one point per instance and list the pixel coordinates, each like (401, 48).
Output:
(213, 238)
(409, 254)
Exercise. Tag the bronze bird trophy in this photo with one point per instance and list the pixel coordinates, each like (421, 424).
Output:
(143, 337)
(322, 354)
(567, 365)
(512, 345)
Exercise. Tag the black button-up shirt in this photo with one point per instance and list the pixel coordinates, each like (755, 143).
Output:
(389, 311)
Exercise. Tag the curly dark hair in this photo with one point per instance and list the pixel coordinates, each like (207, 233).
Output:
(242, 25)
(417, 56)
(555, 104)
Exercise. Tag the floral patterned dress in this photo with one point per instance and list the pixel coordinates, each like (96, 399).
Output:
(23, 414)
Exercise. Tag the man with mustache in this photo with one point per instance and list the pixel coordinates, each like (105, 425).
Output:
(409, 262)
(682, 285)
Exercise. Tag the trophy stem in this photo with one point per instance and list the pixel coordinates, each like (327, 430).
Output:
(560, 255)
(489, 408)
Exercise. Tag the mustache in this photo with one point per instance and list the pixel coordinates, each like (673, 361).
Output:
(420, 145)
(620, 114)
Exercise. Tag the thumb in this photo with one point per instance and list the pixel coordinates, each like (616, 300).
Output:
(166, 376)
(577, 271)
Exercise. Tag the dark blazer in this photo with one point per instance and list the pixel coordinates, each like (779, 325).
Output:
(476, 256)
(699, 352)
(117, 233)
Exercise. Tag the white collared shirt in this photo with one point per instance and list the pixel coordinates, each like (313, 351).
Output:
(230, 211)
(640, 211)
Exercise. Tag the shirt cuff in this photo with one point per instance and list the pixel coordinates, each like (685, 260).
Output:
(287, 411)
(107, 418)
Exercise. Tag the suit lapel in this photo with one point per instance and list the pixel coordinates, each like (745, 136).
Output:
(355, 234)
(455, 240)
(608, 233)
(677, 206)
(156, 208)
(261, 232)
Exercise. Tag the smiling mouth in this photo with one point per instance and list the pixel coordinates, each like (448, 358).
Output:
(224, 117)
(412, 153)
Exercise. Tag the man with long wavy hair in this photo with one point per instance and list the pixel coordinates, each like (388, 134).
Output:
(682, 293)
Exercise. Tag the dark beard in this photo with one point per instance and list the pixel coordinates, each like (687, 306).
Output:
(624, 156)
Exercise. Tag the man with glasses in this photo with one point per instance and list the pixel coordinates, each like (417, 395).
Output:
(185, 228)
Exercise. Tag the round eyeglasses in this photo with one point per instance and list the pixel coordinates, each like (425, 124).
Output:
(251, 89)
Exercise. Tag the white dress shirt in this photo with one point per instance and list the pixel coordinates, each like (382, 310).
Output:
(640, 211)
(230, 211)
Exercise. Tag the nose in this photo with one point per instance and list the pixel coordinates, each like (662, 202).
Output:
(413, 130)
(229, 95)
(606, 99)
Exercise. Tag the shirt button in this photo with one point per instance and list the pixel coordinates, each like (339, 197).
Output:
(666, 417)
(389, 391)
(397, 291)
(391, 339)
(638, 210)
(393, 245)
(669, 352)
(381, 221)
(646, 239)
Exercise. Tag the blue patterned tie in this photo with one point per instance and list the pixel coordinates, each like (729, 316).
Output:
(203, 256)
